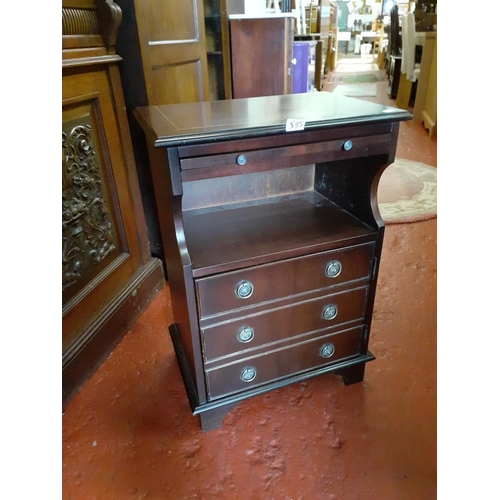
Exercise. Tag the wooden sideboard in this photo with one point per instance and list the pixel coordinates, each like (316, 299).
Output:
(108, 274)
(274, 238)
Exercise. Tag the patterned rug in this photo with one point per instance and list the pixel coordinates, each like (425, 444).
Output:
(407, 192)
(363, 77)
(356, 89)
(343, 67)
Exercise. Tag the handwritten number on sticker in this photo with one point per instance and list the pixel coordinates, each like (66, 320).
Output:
(294, 125)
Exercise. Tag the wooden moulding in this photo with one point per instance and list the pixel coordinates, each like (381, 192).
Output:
(90, 23)
(429, 124)
(109, 327)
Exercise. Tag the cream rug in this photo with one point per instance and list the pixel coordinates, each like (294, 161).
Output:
(356, 76)
(356, 89)
(407, 192)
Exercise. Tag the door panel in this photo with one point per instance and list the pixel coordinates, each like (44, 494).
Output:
(171, 20)
(90, 232)
(172, 40)
(187, 73)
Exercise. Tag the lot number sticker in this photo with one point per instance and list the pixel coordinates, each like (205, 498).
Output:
(294, 125)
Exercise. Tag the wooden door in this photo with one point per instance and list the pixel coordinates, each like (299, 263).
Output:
(172, 40)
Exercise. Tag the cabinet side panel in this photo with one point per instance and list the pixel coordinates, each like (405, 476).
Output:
(177, 261)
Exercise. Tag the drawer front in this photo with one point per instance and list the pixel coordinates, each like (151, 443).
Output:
(243, 162)
(284, 140)
(251, 372)
(247, 287)
(250, 332)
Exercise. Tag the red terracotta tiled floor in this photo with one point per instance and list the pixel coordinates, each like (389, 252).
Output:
(129, 433)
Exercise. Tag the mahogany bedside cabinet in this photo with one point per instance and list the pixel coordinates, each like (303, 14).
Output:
(272, 236)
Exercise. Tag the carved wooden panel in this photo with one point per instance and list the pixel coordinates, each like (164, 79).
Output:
(89, 233)
(87, 101)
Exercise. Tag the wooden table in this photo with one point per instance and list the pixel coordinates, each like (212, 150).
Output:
(272, 238)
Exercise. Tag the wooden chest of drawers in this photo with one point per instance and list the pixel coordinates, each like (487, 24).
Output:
(272, 238)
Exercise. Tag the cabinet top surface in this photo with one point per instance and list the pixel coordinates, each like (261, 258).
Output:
(176, 124)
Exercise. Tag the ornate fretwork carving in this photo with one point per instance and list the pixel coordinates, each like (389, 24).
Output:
(87, 232)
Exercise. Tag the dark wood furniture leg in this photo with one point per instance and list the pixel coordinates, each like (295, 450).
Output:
(353, 374)
(212, 419)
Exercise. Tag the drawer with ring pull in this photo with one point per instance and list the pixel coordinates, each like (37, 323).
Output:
(246, 287)
(300, 357)
(238, 336)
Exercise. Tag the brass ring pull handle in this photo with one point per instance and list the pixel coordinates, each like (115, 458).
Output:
(329, 312)
(243, 289)
(248, 374)
(333, 268)
(245, 334)
(326, 350)
(241, 159)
